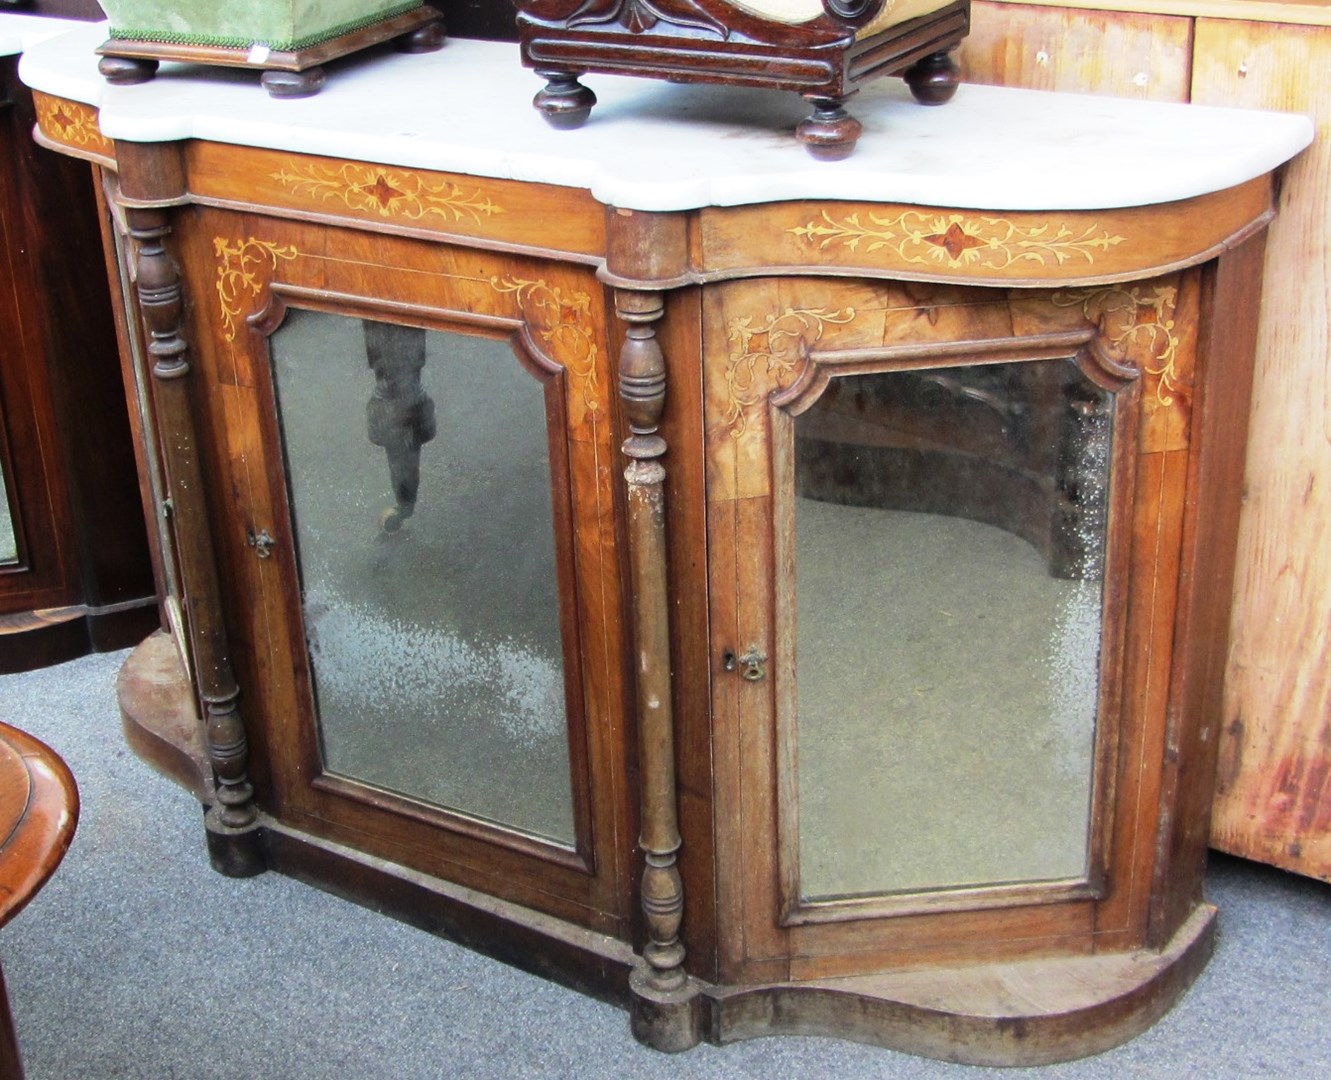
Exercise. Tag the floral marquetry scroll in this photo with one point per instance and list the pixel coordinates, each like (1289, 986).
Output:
(240, 266)
(959, 240)
(562, 320)
(72, 125)
(767, 354)
(389, 193)
(1033, 248)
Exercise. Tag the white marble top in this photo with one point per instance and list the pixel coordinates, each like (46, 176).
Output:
(651, 145)
(18, 33)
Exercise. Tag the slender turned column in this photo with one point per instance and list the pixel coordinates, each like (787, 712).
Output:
(664, 1010)
(231, 824)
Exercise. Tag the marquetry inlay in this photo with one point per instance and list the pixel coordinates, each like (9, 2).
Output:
(562, 320)
(239, 274)
(1137, 321)
(387, 192)
(72, 123)
(958, 240)
(769, 354)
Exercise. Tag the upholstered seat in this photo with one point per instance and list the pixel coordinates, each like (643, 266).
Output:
(821, 49)
(801, 11)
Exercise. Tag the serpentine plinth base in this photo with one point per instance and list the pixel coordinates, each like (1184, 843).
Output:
(1033, 1012)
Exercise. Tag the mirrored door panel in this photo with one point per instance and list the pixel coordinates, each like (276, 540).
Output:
(8, 540)
(419, 471)
(950, 529)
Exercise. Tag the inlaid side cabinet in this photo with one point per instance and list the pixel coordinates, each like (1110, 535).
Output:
(801, 615)
(76, 569)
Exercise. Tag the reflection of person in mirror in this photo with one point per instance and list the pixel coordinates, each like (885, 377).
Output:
(399, 414)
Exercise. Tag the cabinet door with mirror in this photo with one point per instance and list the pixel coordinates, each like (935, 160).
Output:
(421, 443)
(935, 600)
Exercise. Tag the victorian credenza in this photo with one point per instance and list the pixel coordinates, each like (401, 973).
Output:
(76, 571)
(776, 596)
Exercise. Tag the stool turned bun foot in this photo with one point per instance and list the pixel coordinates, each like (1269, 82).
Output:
(934, 80)
(829, 133)
(563, 101)
(293, 84)
(127, 70)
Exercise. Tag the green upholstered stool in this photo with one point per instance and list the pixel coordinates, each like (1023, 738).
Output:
(288, 40)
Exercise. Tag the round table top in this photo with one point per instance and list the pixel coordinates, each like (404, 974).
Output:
(39, 808)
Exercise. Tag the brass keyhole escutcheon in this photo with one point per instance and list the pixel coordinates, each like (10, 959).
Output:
(752, 666)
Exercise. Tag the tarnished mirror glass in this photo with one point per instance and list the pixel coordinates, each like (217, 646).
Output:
(950, 551)
(8, 541)
(420, 478)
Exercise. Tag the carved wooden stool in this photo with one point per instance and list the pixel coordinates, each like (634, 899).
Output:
(821, 49)
(39, 807)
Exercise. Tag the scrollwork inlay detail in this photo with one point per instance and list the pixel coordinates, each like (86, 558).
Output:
(957, 240)
(779, 343)
(564, 321)
(387, 192)
(74, 124)
(1135, 321)
(239, 273)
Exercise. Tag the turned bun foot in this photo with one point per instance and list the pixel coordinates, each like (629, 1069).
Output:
(830, 133)
(563, 101)
(934, 80)
(424, 39)
(293, 84)
(126, 70)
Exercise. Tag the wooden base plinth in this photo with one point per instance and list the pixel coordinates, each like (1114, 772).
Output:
(296, 73)
(35, 639)
(1034, 1012)
(668, 1020)
(160, 719)
(234, 853)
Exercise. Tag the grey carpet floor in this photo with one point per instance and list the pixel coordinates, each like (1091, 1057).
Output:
(138, 961)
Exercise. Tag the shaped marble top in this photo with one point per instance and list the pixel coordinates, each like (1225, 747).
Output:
(657, 146)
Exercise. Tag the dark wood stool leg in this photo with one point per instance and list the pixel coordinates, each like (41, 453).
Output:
(564, 102)
(126, 70)
(293, 84)
(427, 38)
(934, 80)
(829, 133)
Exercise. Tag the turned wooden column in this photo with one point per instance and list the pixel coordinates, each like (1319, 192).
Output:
(664, 1009)
(231, 824)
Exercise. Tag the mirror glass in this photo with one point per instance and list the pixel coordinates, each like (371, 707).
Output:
(8, 541)
(419, 471)
(950, 538)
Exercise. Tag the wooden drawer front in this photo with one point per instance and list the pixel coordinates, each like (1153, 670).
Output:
(392, 198)
(1096, 52)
